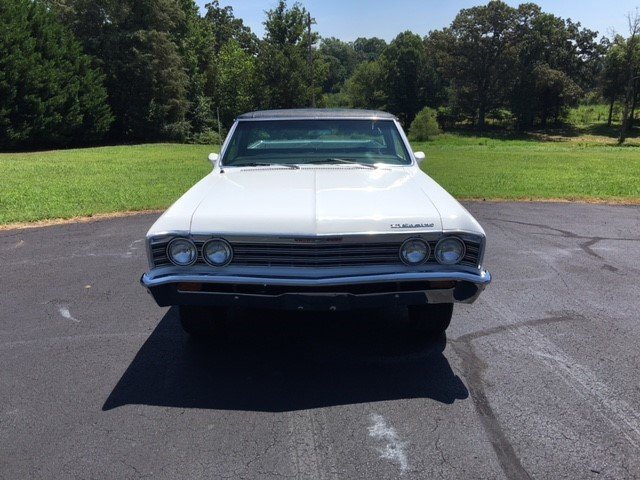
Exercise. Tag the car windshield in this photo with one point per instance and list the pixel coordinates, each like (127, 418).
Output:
(300, 142)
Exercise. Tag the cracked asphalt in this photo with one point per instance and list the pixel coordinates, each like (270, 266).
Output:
(538, 379)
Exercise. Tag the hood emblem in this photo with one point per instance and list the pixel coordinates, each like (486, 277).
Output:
(411, 225)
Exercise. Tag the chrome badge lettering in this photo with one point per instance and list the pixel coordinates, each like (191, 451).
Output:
(411, 225)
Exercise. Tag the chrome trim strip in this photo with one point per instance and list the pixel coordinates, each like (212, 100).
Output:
(149, 280)
(293, 117)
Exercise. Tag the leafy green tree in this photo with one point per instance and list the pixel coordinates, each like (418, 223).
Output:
(205, 50)
(478, 57)
(139, 45)
(424, 126)
(613, 76)
(557, 60)
(555, 92)
(237, 87)
(369, 49)
(632, 67)
(405, 65)
(50, 93)
(284, 72)
(226, 27)
(365, 88)
(341, 60)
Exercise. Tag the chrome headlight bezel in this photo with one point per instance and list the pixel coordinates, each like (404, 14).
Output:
(438, 250)
(405, 244)
(192, 247)
(226, 246)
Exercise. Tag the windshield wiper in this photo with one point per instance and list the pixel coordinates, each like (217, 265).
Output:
(261, 164)
(346, 161)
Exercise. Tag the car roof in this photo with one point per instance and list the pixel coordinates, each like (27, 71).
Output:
(316, 113)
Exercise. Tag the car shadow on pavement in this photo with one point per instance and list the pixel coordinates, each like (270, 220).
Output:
(279, 361)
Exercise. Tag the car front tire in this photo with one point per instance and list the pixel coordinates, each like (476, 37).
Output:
(430, 320)
(202, 321)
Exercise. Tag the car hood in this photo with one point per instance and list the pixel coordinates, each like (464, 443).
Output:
(314, 201)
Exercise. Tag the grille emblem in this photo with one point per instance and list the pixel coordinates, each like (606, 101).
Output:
(318, 240)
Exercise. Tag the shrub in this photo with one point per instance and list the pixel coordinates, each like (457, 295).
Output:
(207, 137)
(424, 126)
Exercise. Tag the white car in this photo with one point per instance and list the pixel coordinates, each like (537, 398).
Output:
(316, 210)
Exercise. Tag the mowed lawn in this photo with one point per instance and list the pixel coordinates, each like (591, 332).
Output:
(85, 182)
(483, 168)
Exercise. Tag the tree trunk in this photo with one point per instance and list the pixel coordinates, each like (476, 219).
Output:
(633, 109)
(482, 113)
(610, 111)
(625, 115)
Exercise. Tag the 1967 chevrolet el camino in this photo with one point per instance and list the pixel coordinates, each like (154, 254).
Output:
(316, 210)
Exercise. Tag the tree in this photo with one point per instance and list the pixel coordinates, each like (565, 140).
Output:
(226, 27)
(236, 88)
(283, 58)
(369, 49)
(478, 58)
(554, 91)
(612, 79)
(139, 45)
(341, 60)
(365, 88)
(404, 63)
(632, 64)
(50, 92)
(556, 60)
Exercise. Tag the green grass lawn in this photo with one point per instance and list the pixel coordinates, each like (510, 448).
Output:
(582, 168)
(84, 182)
(70, 183)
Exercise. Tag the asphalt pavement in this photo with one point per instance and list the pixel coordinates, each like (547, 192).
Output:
(539, 378)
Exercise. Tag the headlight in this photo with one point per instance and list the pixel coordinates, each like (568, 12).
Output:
(450, 251)
(217, 252)
(414, 251)
(182, 252)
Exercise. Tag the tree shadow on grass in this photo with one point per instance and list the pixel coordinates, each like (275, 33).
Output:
(275, 362)
(558, 133)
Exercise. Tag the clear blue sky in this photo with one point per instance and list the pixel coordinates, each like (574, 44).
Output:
(350, 19)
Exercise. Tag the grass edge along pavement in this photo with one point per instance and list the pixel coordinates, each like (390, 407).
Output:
(84, 183)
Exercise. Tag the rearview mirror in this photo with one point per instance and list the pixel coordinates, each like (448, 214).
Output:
(420, 156)
(213, 158)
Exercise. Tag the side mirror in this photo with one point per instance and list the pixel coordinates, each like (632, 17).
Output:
(213, 158)
(420, 156)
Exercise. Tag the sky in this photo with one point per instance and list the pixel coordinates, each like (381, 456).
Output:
(350, 19)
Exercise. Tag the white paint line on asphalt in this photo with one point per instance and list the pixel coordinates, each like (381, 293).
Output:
(394, 448)
(67, 314)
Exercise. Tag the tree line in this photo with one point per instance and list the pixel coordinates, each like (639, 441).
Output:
(81, 72)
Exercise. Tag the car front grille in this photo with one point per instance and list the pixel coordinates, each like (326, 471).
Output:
(312, 255)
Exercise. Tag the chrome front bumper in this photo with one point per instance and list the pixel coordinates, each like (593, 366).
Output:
(305, 293)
